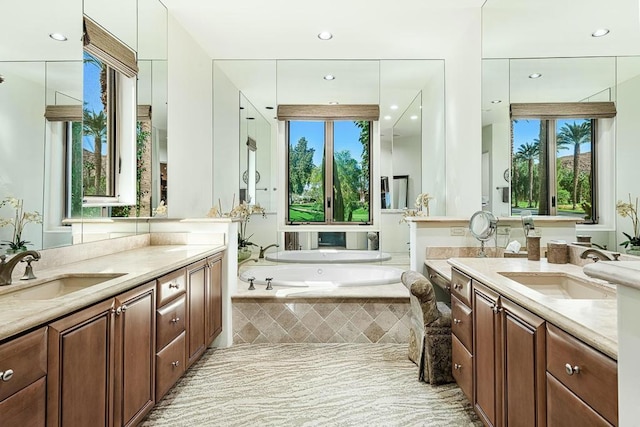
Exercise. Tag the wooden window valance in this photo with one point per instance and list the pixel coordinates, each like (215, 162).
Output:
(63, 113)
(563, 110)
(100, 43)
(329, 112)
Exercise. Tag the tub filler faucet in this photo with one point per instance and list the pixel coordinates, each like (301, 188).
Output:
(263, 250)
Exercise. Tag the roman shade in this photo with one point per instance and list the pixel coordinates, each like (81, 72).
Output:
(100, 43)
(63, 113)
(329, 112)
(563, 110)
(144, 112)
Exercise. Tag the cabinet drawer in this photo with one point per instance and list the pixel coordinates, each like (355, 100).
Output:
(170, 321)
(461, 322)
(565, 408)
(170, 364)
(461, 287)
(437, 279)
(26, 407)
(596, 381)
(26, 358)
(462, 366)
(171, 285)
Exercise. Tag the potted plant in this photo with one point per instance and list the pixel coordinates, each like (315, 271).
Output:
(244, 212)
(19, 221)
(630, 210)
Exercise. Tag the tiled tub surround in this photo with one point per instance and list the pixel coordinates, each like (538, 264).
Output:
(320, 320)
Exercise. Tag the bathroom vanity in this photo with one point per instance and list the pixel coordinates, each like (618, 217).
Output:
(533, 342)
(104, 353)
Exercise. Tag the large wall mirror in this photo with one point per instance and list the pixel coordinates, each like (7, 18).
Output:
(42, 74)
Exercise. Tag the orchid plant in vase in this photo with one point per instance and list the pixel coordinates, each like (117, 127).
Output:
(19, 221)
(630, 210)
(242, 211)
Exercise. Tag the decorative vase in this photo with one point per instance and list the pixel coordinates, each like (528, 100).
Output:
(633, 250)
(243, 253)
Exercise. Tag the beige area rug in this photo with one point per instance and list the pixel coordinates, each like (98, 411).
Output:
(309, 385)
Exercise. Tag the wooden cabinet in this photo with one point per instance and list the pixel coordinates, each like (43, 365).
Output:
(509, 357)
(462, 332)
(115, 386)
(23, 370)
(576, 370)
(197, 282)
(213, 308)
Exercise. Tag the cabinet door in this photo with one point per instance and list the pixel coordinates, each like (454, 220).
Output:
(135, 352)
(196, 294)
(486, 354)
(79, 390)
(566, 409)
(26, 407)
(524, 366)
(214, 300)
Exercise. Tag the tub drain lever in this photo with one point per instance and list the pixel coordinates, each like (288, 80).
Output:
(251, 287)
(269, 279)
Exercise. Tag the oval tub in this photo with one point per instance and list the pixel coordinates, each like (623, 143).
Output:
(323, 275)
(327, 256)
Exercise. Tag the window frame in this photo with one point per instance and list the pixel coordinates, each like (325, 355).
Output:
(329, 153)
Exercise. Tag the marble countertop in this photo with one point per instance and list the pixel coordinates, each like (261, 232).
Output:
(138, 265)
(440, 266)
(625, 273)
(594, 321)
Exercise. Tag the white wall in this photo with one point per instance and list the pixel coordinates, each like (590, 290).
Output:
(22, 127)
(463, 118)
(406, 161)
(226, 139)
(434, 145)
(190, 137)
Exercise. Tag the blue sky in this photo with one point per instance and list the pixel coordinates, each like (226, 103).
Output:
(346, 135)
(525, 131)
(91, 97)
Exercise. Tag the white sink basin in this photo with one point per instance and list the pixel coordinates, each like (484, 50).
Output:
(562, 286)
(63, 285)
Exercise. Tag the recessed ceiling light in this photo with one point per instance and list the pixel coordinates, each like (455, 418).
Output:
(600, 32)
(496, 101)
(414, 117)
(325, 35)
(329, 77)
(394, 107)
(333, 103)
(251, 118)
(387, 117)
(268, 108)
(57, 36)
(535, 76)
(1, 78)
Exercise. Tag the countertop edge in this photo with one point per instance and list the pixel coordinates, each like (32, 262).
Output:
(593, 338)
(625, 273)
(43, 312)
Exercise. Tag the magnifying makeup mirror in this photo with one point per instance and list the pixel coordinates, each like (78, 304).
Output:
(483, 226)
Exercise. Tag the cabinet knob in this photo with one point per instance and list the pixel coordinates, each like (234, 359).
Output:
(175, 320)
(124, 307)
(457, 366)
(457, 321)
(496, 308)
(6, 375)
(175, 364)
(117, 311)
(457, 286)
(173, 285)
(448, 288)
(571, 369)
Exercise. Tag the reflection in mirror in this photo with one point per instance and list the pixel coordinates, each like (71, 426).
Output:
(314, 240)
(407, 154)
(255, 154)
(400, 192)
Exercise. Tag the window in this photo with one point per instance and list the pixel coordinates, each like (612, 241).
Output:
(328, 172)
(553, 167)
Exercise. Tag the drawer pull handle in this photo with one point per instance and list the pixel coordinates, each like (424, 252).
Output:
(6, 375)
(457, 286)
(432, 276)
(571, 369)
(175, 364)
(496, 309)
(457, 366)
(175, 320)
(457, 321)
(173, 285)
(448, 288)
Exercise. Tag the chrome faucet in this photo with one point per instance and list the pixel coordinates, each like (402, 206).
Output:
(6, 267)
(263, 250)
(245, 261)
(597, 255)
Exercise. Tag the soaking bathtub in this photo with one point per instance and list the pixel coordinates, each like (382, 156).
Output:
(323, 256)
(323, 275)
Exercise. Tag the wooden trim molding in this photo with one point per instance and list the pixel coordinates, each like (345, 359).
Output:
(329, 112)
(563, 110)
(144, 112)
(63, 113)
(100, 43)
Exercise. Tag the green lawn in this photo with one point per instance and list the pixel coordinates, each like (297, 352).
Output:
(310, 213)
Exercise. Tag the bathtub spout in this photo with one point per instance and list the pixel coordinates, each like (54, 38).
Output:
(245, 261)
(263, 250)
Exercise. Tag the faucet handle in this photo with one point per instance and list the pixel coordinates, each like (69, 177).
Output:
(2, 258)
(251, 279)
(269, 279)
(28, 270)
(616, 256)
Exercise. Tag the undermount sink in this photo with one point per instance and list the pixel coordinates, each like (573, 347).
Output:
(562, 286)
(63, 285)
